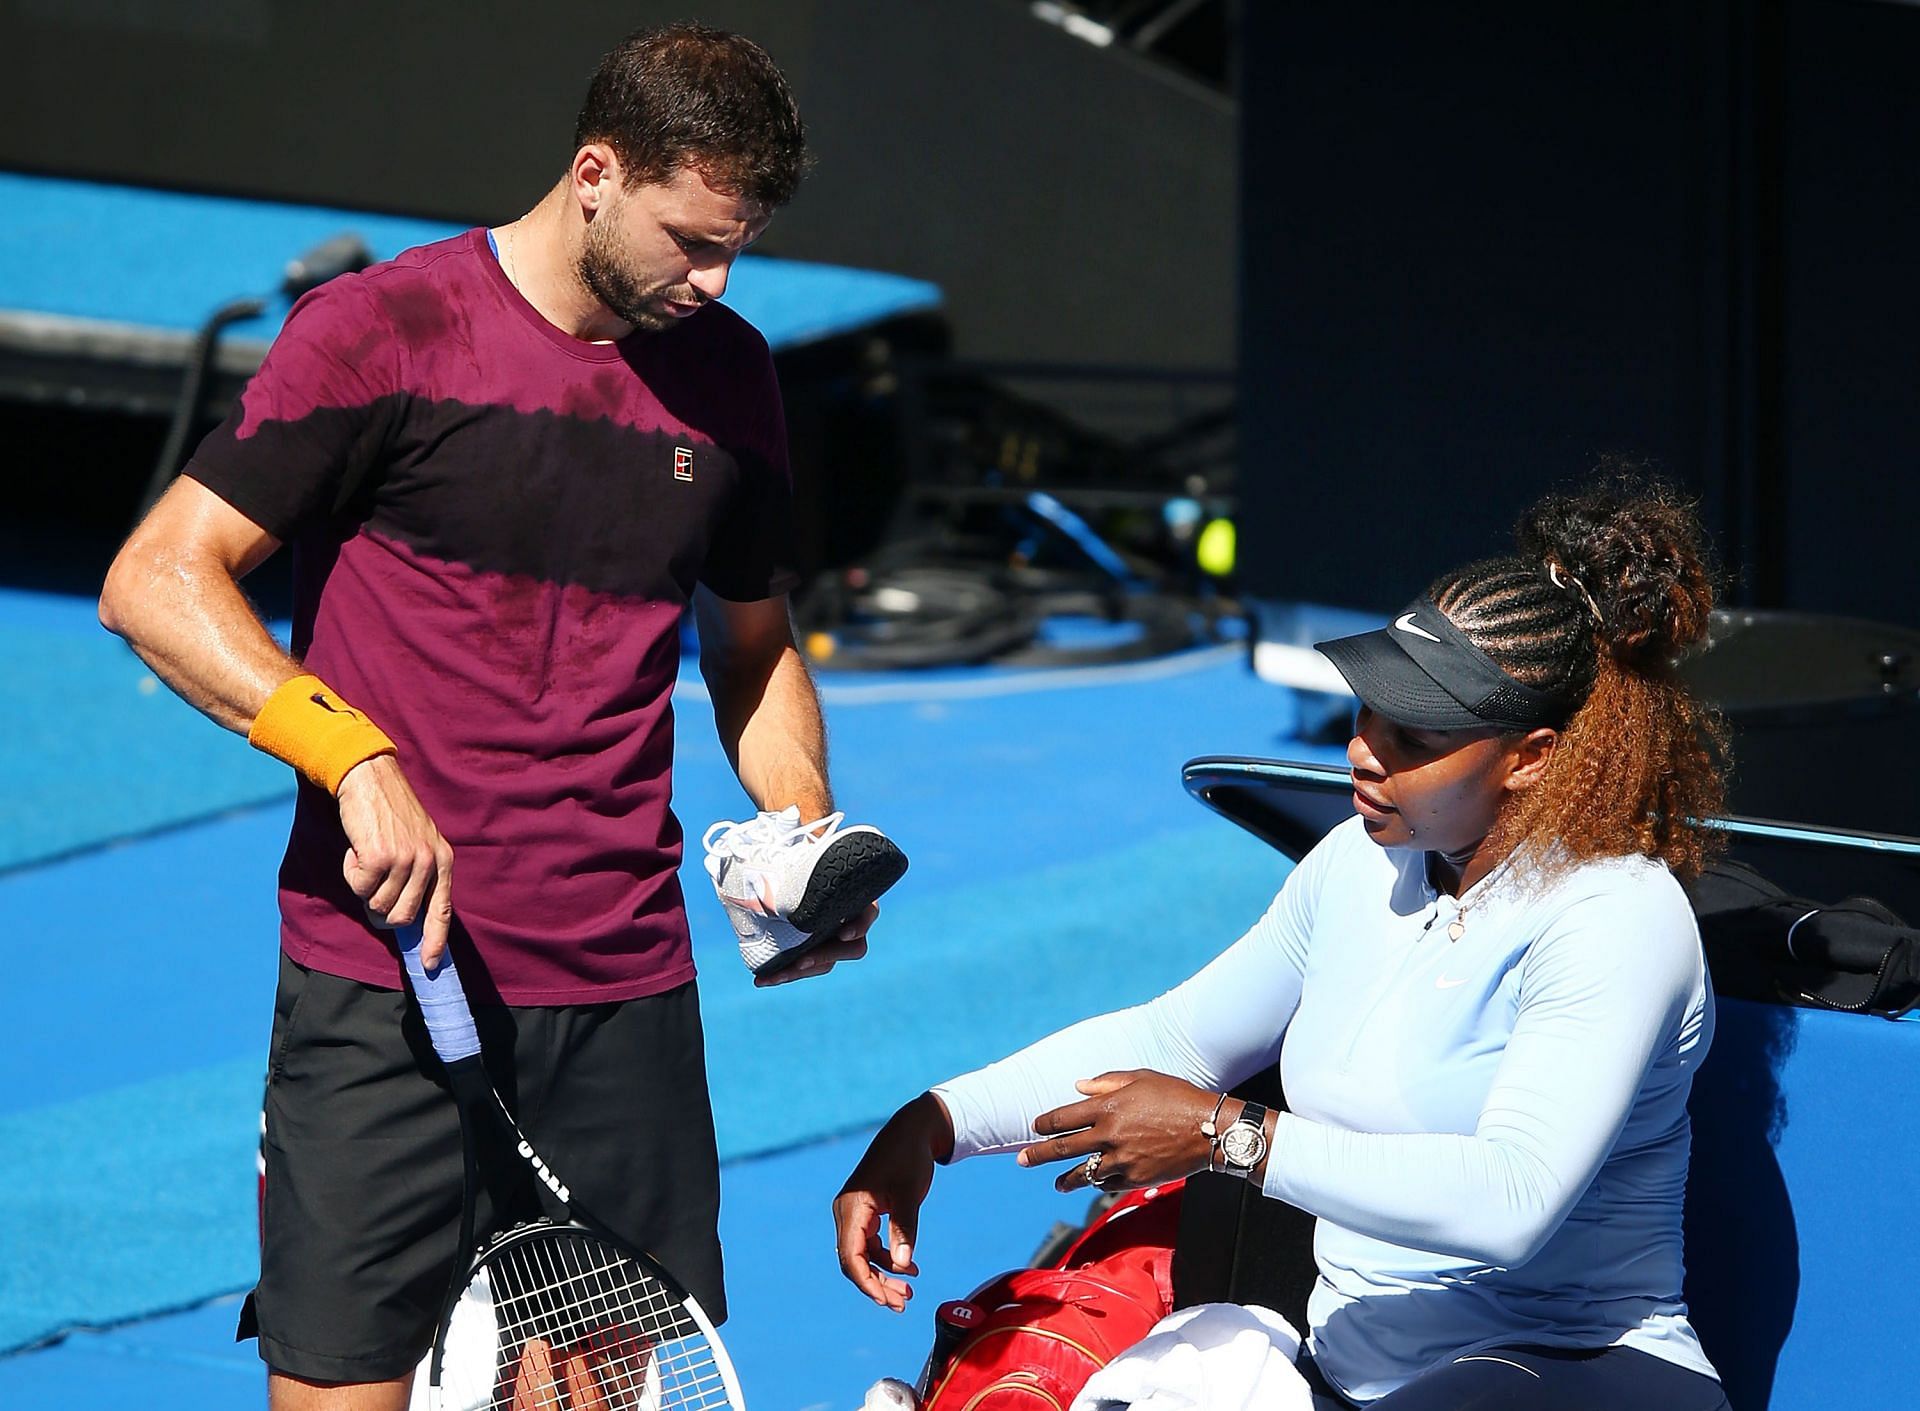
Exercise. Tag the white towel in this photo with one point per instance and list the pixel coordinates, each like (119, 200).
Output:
(1213, 1357)
(472, 1337)
(890, 1394)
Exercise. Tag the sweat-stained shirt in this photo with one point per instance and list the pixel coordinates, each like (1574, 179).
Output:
(496, 527)
(1492, 1130)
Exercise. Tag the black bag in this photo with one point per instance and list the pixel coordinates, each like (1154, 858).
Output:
(1763, 944)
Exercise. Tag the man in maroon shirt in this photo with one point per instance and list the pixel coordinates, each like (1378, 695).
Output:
(505, 462)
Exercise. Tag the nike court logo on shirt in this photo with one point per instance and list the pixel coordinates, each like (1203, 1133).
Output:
(1406, 624)
(1441, 982)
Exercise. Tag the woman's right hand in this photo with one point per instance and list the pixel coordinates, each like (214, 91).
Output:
(891, 1181)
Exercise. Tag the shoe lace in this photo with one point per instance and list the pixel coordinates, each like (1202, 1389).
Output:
(757, 838)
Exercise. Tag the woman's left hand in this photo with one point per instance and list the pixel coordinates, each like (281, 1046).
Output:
(1145, 1126)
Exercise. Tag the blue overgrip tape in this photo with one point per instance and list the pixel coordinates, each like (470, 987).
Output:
(442, 1000)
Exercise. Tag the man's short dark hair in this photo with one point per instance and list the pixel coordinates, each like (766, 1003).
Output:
(688, 95)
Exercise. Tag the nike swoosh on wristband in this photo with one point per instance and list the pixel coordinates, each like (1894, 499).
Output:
(1406, 624)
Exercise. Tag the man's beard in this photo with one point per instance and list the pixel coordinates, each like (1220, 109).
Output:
(609, 282)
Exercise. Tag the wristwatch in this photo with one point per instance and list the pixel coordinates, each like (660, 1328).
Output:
(1244, 1142)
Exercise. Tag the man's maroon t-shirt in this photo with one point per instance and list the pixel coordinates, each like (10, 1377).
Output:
(496, 527)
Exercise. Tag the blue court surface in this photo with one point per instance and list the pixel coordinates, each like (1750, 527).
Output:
(1058, 869)
(172, 257)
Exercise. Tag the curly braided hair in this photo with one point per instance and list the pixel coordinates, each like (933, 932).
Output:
(1609, 588)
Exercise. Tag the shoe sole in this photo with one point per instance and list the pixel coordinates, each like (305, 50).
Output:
(851, 875)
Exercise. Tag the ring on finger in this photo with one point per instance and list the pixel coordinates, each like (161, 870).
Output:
(1092, 1169)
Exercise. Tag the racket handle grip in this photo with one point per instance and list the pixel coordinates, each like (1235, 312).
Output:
(443, 1002)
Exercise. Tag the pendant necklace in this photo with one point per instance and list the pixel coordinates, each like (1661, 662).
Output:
(1457, 927)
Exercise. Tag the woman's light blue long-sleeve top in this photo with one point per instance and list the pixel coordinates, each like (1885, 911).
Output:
(1492, 1130)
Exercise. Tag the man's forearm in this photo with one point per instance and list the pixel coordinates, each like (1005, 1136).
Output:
(774, 734)
(186, 617)
(174, 594)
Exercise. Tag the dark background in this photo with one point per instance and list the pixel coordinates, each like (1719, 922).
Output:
(1484, 243)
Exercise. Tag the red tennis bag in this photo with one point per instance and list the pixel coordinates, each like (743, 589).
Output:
(1029, 1340)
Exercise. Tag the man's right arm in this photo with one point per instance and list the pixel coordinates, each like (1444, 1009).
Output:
(173, 593)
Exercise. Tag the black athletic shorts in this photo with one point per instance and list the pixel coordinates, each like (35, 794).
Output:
(363, 1165)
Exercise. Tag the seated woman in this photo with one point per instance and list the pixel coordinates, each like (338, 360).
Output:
(1485, 993)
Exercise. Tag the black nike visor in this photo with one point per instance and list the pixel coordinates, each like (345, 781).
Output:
(1422, 671)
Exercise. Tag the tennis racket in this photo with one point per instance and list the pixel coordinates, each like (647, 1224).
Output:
(560, 1315)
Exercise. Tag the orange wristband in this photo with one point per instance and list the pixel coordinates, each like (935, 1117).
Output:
(304, 724)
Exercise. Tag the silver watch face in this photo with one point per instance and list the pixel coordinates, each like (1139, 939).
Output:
(1243, 1144)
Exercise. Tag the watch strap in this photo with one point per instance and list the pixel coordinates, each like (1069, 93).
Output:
(1253, 1116)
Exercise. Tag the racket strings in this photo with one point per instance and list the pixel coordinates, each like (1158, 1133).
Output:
(581, 1327)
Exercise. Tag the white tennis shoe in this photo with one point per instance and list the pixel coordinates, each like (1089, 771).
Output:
(788, 885)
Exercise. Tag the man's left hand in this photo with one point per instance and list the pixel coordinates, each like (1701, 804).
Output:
(850, 944)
